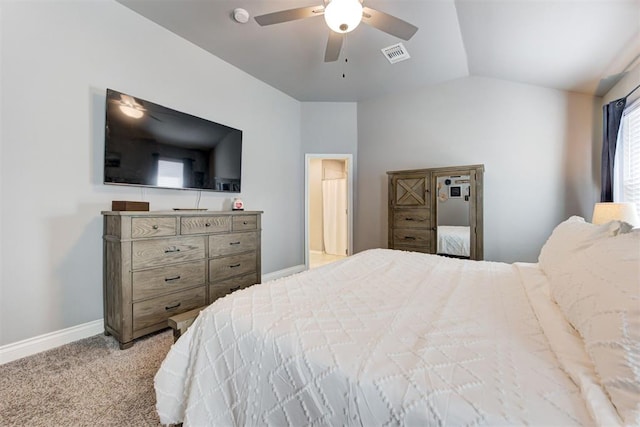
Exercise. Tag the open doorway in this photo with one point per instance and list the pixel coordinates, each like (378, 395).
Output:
(328, 208)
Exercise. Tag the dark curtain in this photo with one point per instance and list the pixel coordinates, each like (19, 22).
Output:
(611, 116)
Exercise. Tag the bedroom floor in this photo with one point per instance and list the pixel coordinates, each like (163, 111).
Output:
(316, 259)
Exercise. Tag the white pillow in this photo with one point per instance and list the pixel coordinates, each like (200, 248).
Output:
(572, 235)
(598, 290)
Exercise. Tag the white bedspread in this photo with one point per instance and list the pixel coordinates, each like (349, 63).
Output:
(381, 338)
(454, 240)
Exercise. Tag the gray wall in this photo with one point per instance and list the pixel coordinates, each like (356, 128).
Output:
(327, 128)
(536, 145)
(627, 83)
(57, 60)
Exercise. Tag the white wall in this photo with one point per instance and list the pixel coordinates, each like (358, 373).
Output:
(57, 60)
(536, 145)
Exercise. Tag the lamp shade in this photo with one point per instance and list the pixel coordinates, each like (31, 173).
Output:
(605, 212)
(343, 16)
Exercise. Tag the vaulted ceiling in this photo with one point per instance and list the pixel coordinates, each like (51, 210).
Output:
(576, 45)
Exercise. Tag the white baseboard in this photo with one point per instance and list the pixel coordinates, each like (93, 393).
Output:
(30, 346)
(48, 341)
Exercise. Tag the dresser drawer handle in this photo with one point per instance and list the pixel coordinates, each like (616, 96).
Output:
(208, 224)
(244, 223)
(234, 265)
(171, 249)
(155, 227)
(171, 279)
(171, 307)
(409, 219)
(234, 289)
(409, 238)
(234, 243)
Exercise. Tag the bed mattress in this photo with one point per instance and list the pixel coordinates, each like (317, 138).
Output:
(381, 338)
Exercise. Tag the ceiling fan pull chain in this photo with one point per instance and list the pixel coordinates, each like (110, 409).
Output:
(346, 60)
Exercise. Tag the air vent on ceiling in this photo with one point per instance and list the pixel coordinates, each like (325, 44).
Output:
(396, 53)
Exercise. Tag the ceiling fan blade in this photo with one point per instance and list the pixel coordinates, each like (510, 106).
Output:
(289, 15)
(388, 23)
(334, 44)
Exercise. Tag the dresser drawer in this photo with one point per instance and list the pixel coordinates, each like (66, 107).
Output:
(224, 287)
(204, 224)
(162, 280)
(156, 311)
(245, 222)
(155, 253)
(225, 244)
(412, 218)
(412, 237)
(152, 227)
(235, 265)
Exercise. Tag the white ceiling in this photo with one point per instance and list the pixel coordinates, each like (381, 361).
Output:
(575, 45)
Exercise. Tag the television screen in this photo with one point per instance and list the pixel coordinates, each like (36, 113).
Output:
(154, 146)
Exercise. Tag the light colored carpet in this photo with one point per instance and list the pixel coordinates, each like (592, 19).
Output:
(90, 382)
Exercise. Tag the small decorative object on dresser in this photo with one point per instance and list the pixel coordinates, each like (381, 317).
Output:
(126, 205)
(159, 264)
(238, 205)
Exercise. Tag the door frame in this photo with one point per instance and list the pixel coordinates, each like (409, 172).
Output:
(348, 158)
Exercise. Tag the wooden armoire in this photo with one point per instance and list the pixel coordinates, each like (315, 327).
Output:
(413, 208)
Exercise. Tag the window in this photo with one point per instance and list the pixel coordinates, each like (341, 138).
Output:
(627, 160)
(170, 173)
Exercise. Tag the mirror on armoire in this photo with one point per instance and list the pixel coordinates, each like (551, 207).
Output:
(457, 208)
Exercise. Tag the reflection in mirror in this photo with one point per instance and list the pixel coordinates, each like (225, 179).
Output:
(452, 212)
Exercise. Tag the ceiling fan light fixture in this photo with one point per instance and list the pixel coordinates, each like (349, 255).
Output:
(343, 16)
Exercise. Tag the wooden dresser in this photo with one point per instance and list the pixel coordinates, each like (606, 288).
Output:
(158, 264)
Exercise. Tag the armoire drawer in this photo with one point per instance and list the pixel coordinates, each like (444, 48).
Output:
(155, 253)
(156, 311)
(412, 218)
(224, 287)
(234, 265)
(412, 237)
(152, 227)
(204, 224)
(226, 244)
(162, 280)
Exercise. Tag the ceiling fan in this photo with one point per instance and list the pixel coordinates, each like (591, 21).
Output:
(342, 16)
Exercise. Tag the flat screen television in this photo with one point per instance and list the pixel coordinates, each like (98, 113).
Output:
(154, 146)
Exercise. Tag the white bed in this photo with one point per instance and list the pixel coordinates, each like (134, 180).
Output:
(388, 338)
(454, 240)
